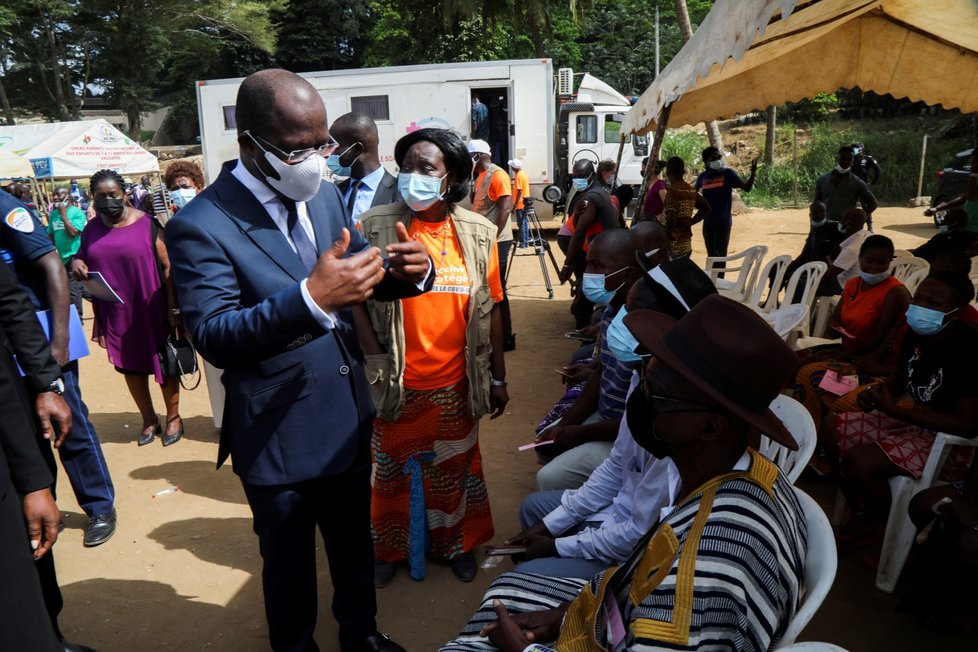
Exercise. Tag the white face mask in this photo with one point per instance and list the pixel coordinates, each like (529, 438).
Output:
(715, 165)
(819, 223)
(299, 182)
(841, 170)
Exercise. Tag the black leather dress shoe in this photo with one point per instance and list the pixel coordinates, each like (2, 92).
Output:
(383, 573)
(464, 566)
(376, 642)
(76, 647)
(101, 527)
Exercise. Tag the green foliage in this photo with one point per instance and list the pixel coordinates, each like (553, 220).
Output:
(687, 145)
(812, 109)
(323, 34)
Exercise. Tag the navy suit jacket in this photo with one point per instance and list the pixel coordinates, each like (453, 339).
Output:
(385, 194)
(298, 405)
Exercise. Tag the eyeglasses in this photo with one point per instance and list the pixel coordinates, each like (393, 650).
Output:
(295, 156)
(663, 404)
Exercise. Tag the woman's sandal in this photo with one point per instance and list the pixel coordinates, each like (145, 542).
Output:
(175, 437)
(148, 435)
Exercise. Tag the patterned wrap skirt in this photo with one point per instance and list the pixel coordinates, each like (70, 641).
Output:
(429, 495)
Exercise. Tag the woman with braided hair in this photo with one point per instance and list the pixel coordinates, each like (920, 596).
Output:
(126, 246)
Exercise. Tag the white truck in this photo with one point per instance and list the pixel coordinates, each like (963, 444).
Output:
(533, 116)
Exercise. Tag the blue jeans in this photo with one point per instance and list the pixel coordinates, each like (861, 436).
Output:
(81, 453)
(534, 508)
(524, 227)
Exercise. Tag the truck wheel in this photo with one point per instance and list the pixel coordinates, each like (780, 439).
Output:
(553, 194)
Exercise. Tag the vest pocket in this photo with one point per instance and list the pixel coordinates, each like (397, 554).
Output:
(381, 375)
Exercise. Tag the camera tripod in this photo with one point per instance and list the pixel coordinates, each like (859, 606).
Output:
(539, 247)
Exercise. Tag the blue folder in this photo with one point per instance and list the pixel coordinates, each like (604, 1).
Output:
(77, 342)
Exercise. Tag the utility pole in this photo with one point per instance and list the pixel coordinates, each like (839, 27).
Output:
(772, 118)
(686, 29)
(656, 39)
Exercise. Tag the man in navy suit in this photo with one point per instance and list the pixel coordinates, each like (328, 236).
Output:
(267, 263)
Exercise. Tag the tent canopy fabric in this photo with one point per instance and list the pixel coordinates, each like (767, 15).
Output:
(14, 167)
(76, 149)
(786, 50)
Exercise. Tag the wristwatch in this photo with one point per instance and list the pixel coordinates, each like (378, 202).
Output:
(497, 383)
(57, 386)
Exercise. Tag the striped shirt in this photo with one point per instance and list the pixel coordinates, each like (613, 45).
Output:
(615, 376)
(735, 550)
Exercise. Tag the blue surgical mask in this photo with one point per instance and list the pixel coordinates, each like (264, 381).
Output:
(943, 228)
(926, 321)
(819, 223)
(715, 165)
(841, 228)
(333, 163)
(581, 184)
(873, 279)
(595, 290)
(181, 196)
(419, 191)
(621, 342)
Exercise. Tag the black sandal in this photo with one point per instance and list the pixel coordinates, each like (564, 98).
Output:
(148, 435)
(175, 437)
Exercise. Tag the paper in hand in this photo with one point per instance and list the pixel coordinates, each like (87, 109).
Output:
(100, 289)
(840, 386)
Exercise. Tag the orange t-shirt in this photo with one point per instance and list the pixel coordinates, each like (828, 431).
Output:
(861, 308)
(435, 322)
(520, 182)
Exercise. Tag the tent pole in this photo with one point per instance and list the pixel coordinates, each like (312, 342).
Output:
(621, 150)
(660, 132)
(794, 164)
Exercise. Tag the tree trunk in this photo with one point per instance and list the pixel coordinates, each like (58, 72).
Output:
(8, 111)
(59, 95)
(772, 119)
(686, 29)
(135, 121)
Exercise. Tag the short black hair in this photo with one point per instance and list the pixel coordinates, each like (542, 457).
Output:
(458, 162)
(962, 289)
(106, 175)
(676, 166)
(710, 151)
(846, 149)
(877, 242)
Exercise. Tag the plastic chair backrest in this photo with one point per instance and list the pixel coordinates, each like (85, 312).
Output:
(900, 531)
(914, 280)
(799, 423)
(904, 268)
(902, 253)
(821, 563)
(812, 274)
(774, 270)
(811, 646)
(746, 271)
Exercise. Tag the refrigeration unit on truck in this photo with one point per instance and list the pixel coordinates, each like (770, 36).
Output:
(533, 117)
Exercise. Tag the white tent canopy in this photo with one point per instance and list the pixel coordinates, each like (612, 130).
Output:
(787, 50)
(76, 149)
(14, 167)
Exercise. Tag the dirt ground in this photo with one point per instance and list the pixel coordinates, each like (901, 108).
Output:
(182, 572)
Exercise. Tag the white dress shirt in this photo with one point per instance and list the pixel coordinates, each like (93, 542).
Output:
(280, 215)
(624, 494)
(365, 195)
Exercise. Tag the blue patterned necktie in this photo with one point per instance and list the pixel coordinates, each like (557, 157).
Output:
(305, 247)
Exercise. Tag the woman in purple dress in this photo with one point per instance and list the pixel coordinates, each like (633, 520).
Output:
(127, 248)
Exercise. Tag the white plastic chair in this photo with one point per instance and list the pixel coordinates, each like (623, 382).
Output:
(774, 269)
(903, 268)
(811, 275)
(914, 279)
(788, 321)
(746, 265)
(821, 562)
(900, 530)
(799, 423)
(811, 646)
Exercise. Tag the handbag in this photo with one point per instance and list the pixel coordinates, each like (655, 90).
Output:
(178, 358)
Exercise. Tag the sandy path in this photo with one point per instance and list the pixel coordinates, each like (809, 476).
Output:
(182, 572)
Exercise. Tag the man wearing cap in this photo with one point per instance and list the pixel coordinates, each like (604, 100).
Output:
(724, 566)
(521, 188)
(492, 197)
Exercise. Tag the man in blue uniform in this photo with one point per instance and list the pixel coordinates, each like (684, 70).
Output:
(25, 246)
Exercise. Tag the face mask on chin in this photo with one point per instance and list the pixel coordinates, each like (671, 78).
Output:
(841, 170)
(818, 224)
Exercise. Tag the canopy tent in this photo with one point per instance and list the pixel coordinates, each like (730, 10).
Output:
(14, 167)
(76, 149)
(787, 50)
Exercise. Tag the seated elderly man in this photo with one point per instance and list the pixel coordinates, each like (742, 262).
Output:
(580, 532)
(723, 568)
